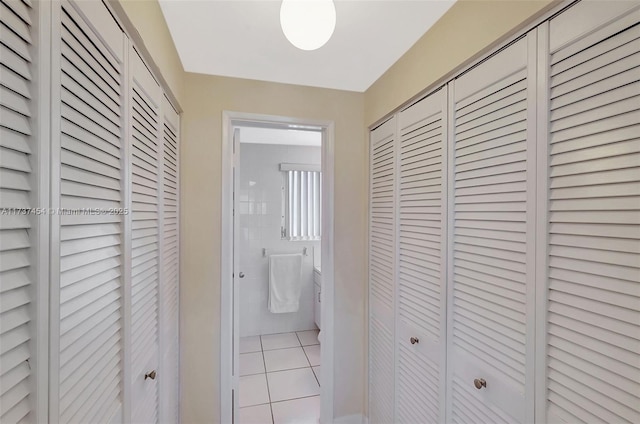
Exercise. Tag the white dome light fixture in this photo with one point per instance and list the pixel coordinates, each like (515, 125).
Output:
(308, 24)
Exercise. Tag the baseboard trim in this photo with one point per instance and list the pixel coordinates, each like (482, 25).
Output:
(351, 419)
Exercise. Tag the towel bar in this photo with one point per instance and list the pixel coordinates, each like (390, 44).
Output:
(264, 252)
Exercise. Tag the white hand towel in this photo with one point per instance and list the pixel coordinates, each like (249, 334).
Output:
(285, 274)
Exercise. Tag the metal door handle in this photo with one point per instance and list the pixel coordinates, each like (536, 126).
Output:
(414, 340)
(479, 383)
(151, 375)
(241, 275)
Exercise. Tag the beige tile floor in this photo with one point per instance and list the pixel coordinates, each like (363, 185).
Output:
(280, 378)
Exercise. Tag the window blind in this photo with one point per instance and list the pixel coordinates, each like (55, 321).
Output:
(303, 188)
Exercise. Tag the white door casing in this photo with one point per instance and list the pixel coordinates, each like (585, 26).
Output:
(236, 274)
(229, 341)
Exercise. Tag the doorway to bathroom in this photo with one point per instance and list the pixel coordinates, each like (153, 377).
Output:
(277, 270)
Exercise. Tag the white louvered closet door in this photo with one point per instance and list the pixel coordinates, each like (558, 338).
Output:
(421, 288)
(593, 216)
(146, 200)
(382, 222)
(86, 383)
(170, 272)
(18, 144)
(492, 220)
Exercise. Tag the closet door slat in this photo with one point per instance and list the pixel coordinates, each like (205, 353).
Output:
(421, 294)
(382, 222)
(492, 241)
(593, 213)
(170, 267)
(146, 233)
(91, 241)
(17, 245)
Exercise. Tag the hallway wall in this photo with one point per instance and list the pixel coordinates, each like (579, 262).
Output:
(148, 20)
(206, 98)
(469, 28)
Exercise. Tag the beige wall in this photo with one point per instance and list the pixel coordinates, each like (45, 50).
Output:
(469, 27)
(148, 20)
(205, 99)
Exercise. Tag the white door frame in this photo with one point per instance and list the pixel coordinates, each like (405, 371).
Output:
(229, 337)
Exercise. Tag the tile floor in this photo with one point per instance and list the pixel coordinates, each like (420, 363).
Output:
(280, 378)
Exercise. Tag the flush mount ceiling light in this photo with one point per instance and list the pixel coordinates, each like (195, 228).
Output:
(308, 24)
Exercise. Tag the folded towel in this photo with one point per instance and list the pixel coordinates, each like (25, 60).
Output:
(285, 274)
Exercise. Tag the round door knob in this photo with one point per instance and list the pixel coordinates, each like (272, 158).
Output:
(479, 383)
(414, 340)
(151, 375)
(241, 275)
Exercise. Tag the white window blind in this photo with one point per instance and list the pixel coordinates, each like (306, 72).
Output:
(302, 194)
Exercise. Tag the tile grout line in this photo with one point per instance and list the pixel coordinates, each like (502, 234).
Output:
(262, 351)
(251, 406)
(267, 381)
(284, 348)
(307, 356)
(298, 398)
(304, 351)
(277, 371)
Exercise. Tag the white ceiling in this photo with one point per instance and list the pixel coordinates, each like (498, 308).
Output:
(243, 39)
(259, 135)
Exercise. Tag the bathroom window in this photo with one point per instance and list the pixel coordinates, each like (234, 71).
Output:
(301, 202)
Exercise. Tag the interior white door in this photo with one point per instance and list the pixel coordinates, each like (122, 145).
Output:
(87, 283)
(169, 288)
(593, 215)
(382, 222)
(146, 187)
(235, 337)
(421, 261)
(493, 249)
(18, 189)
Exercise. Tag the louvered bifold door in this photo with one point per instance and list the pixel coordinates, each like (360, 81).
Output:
(593, 327)
(87, 263)
(493, 255)
(421, 288)
(17, 191)
(146, 184)
(170, 273)
(382, 222)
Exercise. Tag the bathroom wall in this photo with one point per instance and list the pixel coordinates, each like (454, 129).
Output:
(260, 212)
